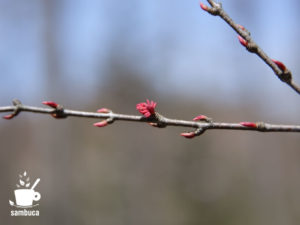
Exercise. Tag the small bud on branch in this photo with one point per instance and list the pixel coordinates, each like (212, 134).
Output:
(249, 124)
(8, 117)
(188, 135)
(58, 112)
(103, 123)
(202, 118)
(204, 7)
(281, 66)
(103, 110)
(50, 104)
(243, 41)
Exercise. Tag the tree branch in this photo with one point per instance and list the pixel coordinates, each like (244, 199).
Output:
(280, 70)
(201, 123)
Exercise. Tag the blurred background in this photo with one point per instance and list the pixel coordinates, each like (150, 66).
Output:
(88, 54)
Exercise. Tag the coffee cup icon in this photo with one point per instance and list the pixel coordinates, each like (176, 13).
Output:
(25, 197)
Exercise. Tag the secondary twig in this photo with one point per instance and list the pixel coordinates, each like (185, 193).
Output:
(282, 72)
(201, 123)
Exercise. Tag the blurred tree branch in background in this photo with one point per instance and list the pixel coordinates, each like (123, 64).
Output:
(282, 72)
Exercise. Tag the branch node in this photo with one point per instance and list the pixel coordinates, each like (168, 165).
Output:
(58, 110)
(214, 10)
(286, 76)
(193, 134)
(261, 126)
(200, 131)
(18, 106)
(157, 120)
(108, 120)
(217, 5)
(59, 113)
(252, 47)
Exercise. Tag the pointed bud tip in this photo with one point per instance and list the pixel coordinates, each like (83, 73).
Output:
(243, 41)
(188, 135)
(103, 110)
(281, 66)
(201, 117)
(8, 117)
(204, 7)
(101, 124)
(50, 104)
(249, 124)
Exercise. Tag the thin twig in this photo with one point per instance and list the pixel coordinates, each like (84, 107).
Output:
(155, 119)
(283, 73)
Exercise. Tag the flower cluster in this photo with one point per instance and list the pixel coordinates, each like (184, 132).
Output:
(146, 108)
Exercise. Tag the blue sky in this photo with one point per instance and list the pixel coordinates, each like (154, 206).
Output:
(174, 42)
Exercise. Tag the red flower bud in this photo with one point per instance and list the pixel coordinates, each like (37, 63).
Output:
(204, 7)
(188, 135)
(242, 41)
(8, 117)
(103, 110)
(281, 66)
(201, 117)
(103, 123)
(249, 124)
(50, 104)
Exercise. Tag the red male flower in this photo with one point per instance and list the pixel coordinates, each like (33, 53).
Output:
(146, 108)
